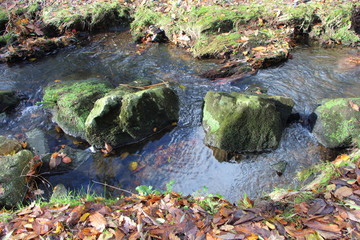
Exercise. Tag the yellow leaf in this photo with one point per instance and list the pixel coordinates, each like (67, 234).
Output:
(341, 159)
(270, 225)
(124, 155)
(32, 59)
(59, 227)
(133, 166)
(259, 48)
(252, 237)
(182, 87)
(84, 217)
(57, 81)
(24, 144)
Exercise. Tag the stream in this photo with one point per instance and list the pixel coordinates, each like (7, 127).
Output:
(179, 154)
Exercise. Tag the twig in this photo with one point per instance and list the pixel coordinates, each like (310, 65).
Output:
(144, 87)
(107, 185)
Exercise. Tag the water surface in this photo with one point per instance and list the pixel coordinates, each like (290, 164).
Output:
(179, 154)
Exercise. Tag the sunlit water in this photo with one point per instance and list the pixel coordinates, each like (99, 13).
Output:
(179, 154)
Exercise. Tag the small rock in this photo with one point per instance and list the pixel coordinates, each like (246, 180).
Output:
(37, 141)
(279, 167)
(8, 146)
(59, 192)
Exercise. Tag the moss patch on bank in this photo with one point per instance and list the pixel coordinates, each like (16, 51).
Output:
(214, 31)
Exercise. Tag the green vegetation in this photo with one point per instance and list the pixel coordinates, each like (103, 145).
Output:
(87, 16)
(6, 38)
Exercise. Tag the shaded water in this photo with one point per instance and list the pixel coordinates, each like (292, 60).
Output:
(180, 154)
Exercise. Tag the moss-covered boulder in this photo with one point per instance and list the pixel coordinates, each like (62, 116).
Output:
(338, 122)
(8, 100)
(238, 122)
(12, 174)
(72, 102)
(127, 115)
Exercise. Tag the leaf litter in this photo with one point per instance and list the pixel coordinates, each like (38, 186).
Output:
(172, 216)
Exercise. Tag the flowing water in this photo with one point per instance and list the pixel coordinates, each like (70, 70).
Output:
(179, 154)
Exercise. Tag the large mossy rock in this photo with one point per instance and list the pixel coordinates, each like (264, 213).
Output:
(12, 175)
(72, 102)
(238, 122)
(127, 115)
(8, 100)
(337, 123)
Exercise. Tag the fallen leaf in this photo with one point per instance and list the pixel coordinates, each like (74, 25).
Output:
(259, 49)
(124, 155)
(326, 226)
(55, 160)
(133, 166)
(24, 144)
(341, 159)
(75, 215)
(354, 106)
(66, 160)
(342, 192)
(98, 221)
(57, 81)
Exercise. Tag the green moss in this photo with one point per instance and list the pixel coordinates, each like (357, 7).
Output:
(143, 18)
(85, 16)
(6, 39)
(208, 46)
(72, 103)
(338, 123)
(336, 21)
(3, 15)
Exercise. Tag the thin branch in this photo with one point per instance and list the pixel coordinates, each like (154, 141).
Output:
(107, 185)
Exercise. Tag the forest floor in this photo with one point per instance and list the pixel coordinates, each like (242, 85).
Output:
(327, 208)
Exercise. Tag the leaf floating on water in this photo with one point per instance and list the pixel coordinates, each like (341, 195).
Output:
(24, 144)
(354, 106)
(182, 87)
(154, 129)
(66, 160)
(57, 81)
(133, 166)
(55, 160)
(108, 147)
(124, 155)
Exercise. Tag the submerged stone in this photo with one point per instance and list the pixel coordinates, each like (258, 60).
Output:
(8, 100)
(72, 102)
(239, 122)
(127, 115)
(338, 123)
(8, 146)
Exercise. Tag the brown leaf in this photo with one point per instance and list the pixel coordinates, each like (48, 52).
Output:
(75, 215)
(98, 221)
(66, 160)
(323, 226)
(41, 226)
(342, 192)
(55, 160)
(354, 106)
(38, 31)
(108, 147)
(354, 215)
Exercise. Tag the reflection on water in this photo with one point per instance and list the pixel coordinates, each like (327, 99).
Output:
(180, 154)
